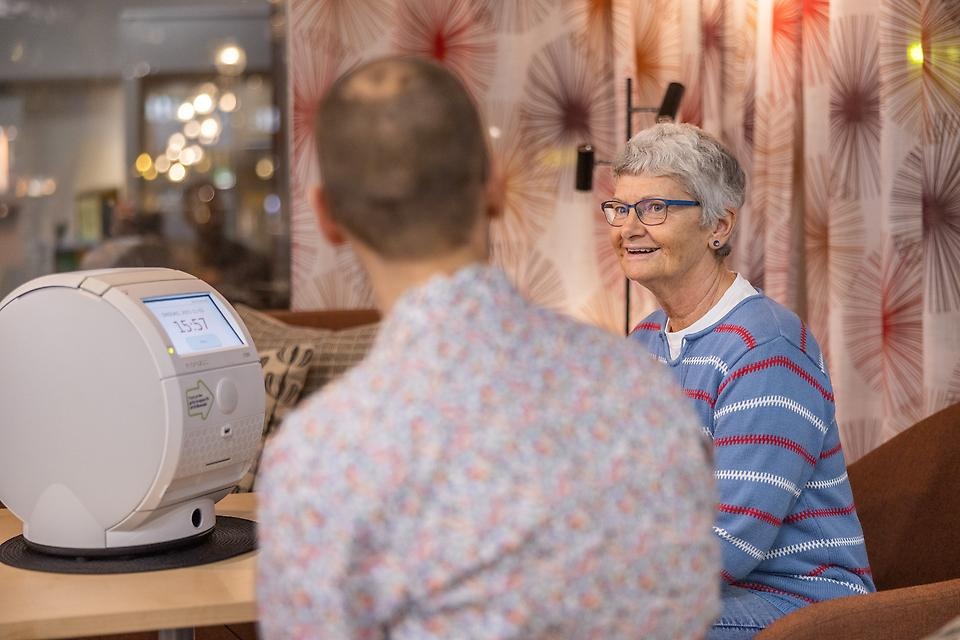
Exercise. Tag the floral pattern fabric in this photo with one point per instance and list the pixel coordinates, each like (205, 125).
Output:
(490, 470)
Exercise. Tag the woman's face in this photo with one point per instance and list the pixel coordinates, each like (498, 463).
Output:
(667, 254)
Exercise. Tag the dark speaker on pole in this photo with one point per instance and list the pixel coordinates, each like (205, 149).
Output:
(585, 164)
(671, 102)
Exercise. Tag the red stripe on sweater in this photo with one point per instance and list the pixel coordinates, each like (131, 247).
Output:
(803, 337)
(699, 394)
(817, 513)
(756, 586)
(860, 571)
(750, 511)
(776, 441)
(831, 452)
(647, 326)
(775, 361)
(740, 331)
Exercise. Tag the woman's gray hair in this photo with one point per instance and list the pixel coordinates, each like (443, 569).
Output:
(692, 157)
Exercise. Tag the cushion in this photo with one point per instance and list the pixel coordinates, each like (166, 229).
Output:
(334, 352)
(284, 372)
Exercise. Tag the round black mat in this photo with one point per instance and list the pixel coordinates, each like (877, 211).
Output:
(231, 537)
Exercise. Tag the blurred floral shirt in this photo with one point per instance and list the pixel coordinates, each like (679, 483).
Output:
(490, 470)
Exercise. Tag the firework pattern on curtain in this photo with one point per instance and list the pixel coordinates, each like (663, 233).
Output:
(860, 436)
(855, 106)
(816, 39)
(770, 201)
(716, 78)
(691, 107)
(883, 326)
(525, 188)
(941, 397)
(532, 274)
(344, 287)
(320, 61)
(595, 29)
(919, 61)
(833, 233)
(358, 22)
(929, 183)
(603, 310)
(785, 49)
(456, 33)
(567, 102)
(740, 83)
(655, 44)
(517, 16)
(306, 244)
(608, 265)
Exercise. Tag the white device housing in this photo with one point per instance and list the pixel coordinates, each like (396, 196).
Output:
(111, 438)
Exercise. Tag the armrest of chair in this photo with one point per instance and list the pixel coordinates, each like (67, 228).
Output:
(894, 614)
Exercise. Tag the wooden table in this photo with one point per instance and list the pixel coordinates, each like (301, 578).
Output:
(36, 604)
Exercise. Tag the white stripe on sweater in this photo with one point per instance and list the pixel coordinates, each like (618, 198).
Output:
(813, 544)
(713, 361)
(739, 543)
(826, 484)
(773, 401)
(856, 588)
(759, 476)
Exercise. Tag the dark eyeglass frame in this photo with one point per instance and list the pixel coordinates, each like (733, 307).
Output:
(640, 207)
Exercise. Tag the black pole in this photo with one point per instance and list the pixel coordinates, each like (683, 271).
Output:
(626, 281)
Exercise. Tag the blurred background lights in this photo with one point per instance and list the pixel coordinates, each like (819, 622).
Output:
(223, 178)
(162, 163)
(191, 155)
(915, 53)
(205, 193)
(209, 128)
(271, 204)
(185, 111)
(191, 129)
(177, 172)
(228, 102)
(264, 168)
(230, 60)
(144, 162)
(203, 103)
(176, 141)
(172, 154)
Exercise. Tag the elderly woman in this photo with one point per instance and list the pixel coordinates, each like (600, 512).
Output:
(785, 515)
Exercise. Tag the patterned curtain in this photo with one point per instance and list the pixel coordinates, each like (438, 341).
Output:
(845, 115)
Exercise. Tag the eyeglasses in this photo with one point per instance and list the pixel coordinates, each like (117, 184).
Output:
(649, 212)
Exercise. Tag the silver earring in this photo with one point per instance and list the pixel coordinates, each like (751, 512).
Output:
(716, 243)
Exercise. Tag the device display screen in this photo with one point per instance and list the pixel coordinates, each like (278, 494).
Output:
(193, 322)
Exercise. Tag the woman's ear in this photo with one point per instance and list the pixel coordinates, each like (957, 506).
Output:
(723, 229)
(328, 226)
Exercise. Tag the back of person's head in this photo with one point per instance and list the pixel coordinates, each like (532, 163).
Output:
(688, 154)
(403, 157)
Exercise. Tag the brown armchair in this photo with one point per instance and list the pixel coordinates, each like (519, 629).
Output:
(907, 493)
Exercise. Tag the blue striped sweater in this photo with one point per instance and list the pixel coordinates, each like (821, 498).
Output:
(786, 518)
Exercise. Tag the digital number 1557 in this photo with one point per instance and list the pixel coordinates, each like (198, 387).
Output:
(191, 325)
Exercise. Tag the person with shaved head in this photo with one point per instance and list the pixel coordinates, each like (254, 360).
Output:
(491, 469)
